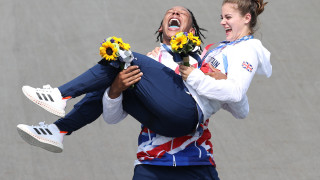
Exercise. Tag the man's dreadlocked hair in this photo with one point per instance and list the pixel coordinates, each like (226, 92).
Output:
(194, 25)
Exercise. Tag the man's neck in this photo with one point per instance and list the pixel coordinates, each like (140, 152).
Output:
(166, 41)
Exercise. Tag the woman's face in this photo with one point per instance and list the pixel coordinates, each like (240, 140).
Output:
(235, 25)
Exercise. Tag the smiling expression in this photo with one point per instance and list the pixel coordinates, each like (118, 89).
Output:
(235, 25)
(176, 19)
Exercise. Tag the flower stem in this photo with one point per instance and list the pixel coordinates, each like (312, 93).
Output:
(186, 61)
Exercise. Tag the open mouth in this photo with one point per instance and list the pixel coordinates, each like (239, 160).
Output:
(228, 30)
(174, 23)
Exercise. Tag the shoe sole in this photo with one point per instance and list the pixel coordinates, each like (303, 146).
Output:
(33, 140)
(44, 105)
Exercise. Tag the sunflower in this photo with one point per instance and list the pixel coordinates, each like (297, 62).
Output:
(178, 42)
(124, 46)
(194, 39)
(190, 36)
(117, 40)
(109, 51)
(175, 47)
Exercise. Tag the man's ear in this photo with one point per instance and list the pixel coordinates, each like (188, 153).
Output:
(192, 30)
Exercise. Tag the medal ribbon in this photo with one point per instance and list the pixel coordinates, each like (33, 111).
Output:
(177, 57)
(224, 44)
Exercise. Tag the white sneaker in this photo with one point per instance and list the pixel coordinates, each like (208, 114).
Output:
(45, 136)
(48, 98)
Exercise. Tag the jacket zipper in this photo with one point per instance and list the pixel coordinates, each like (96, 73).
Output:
(173, 157)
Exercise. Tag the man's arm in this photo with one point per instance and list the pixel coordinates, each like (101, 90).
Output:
(124, 80)
(112, 99)
(112, 109)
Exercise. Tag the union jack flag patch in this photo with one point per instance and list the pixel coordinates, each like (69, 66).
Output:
(247, 66)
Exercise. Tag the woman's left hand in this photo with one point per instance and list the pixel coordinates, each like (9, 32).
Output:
(216, 73)
(185, 71)
(154, 52)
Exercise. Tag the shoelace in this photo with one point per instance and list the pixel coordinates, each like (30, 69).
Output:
(46, 88)
(42, 124)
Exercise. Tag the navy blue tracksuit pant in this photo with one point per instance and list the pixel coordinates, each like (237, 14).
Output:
(153, 172)
(158, 100)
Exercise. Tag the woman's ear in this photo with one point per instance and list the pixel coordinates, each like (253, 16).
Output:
(247, 18)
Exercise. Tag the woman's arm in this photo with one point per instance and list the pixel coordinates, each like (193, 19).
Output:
(239, 110)
(232, 89)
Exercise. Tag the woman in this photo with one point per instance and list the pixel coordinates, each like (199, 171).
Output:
(240, 57)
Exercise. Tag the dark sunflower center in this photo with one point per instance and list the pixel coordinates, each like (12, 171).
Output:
(109, 51)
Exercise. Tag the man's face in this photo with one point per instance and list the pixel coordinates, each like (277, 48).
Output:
(176, 19)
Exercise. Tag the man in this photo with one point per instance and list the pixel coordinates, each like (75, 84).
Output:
(161, 157)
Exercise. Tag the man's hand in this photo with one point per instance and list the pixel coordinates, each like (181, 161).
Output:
(124, 80)
(185, 71)
(216, 73)
(154, 52)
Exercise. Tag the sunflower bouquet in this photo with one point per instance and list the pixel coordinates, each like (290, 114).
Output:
(184, 43)
(111, 49)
